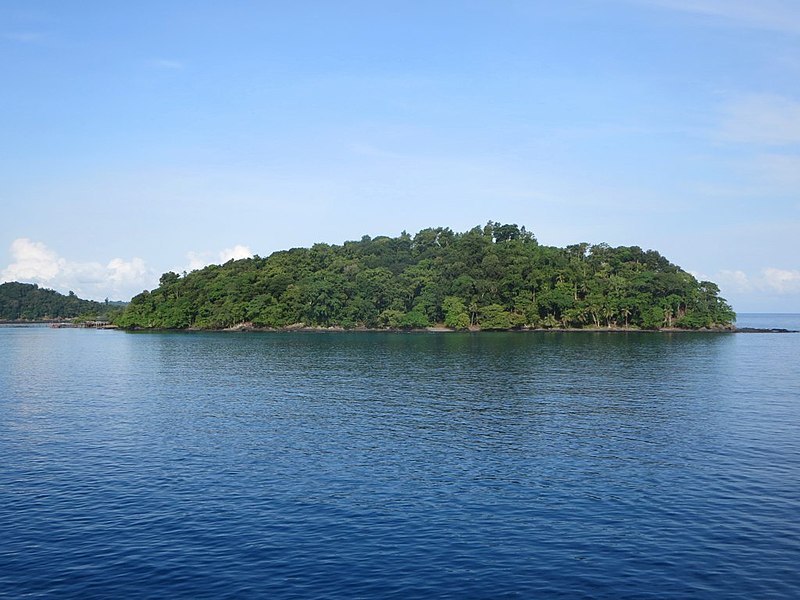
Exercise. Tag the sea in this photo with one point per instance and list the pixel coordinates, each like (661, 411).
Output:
(400, 465)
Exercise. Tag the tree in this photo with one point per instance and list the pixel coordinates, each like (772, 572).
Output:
(496, 276)
(29, 302)
(455, 313)
(168, 279)
(494, 317)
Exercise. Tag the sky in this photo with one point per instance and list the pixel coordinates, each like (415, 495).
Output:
(142, 137)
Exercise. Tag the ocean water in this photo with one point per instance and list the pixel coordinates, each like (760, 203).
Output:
(371, 465)
(790, 321)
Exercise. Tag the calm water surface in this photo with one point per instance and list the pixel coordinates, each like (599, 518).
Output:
(399, 465)
(789, 321)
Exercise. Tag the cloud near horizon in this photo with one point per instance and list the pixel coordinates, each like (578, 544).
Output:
(198, 260)
(769, 279)
(34, 262)
(118, 279)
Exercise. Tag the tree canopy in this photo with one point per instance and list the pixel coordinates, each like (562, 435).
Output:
(492, 277)
(29, 302)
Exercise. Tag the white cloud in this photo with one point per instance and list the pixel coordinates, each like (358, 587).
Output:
(762, 119)
(121, 271)
(34, 262)
(735, 280)
(198, 260)
(768, 280)
(235, 253)
(781, 280)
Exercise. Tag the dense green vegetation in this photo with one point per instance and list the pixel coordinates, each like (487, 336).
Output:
(492, 277)
(29, 302)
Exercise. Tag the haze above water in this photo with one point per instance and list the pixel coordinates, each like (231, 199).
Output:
(400, 465)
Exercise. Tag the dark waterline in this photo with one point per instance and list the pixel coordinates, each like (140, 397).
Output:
(385, 465)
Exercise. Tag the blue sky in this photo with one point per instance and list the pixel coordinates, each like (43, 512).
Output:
(137, 138)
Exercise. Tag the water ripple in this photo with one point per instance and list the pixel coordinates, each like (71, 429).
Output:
(397, 466)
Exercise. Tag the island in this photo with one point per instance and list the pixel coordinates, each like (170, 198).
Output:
(492, 277)
(29, 303)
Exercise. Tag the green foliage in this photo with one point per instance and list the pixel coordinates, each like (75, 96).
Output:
(455, 313)
(494, 317)
(29, 302)
(392, 319)
(494, 277)
(414, 319)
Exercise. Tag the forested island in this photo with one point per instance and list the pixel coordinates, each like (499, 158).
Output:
(27, 302)
(495, 277)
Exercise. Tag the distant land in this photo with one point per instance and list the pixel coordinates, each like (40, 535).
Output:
(492, 277)
(27, 302)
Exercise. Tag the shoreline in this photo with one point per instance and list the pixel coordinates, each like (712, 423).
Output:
(302, 328)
